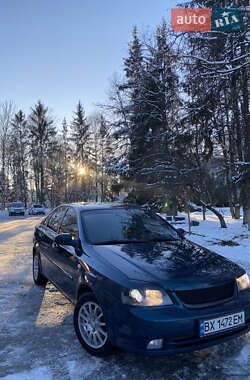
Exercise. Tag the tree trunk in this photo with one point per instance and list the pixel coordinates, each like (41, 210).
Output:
(3, 177)
(248, 218)
(237, 212)
(217, 213)
(244, 215)
(189, 221)
(41, 183)
(232, 211)
(246, 118)
(219, 216)
(203, 212)
(227, 173)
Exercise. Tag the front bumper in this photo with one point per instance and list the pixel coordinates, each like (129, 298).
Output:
(134, 327)
(17, 212)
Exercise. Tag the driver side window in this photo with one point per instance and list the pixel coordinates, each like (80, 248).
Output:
(69, 223)
(55, 219)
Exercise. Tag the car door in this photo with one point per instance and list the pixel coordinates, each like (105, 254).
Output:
(42, 241)
(48, 234)
(65, 256)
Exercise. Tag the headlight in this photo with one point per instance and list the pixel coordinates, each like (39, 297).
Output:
(146, 297)
(243, 282)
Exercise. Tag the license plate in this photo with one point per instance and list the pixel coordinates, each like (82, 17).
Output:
(213, 326)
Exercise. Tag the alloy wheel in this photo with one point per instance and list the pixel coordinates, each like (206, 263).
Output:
(36, 267)
(92, 325)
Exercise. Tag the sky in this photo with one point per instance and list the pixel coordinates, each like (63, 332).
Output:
(63, 51)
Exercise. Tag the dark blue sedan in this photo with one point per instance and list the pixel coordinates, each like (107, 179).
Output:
(137, 283)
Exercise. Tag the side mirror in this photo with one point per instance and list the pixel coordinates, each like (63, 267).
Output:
(181, 232)
(65, 239)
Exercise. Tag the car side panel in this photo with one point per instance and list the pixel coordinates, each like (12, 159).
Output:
(67, 269)
(45, 238)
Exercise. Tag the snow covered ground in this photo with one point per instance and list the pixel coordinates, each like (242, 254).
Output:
(37, 338)
(232, 242)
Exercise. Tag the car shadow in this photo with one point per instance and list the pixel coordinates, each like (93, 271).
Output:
(37, 329)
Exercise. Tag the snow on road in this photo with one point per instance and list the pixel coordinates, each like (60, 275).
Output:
(38, 373)
(37, 338)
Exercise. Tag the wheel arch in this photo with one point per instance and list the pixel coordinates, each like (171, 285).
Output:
(83, 289)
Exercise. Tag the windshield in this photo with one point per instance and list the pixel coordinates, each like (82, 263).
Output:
(124, 226)
(16, 204)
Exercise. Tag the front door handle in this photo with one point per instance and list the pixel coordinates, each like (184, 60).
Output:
(91, 274)
(55, 245)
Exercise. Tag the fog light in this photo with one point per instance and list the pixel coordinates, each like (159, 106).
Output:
(155, 344)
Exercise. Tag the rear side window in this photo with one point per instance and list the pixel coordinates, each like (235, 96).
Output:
(69, 223)
(56, 218)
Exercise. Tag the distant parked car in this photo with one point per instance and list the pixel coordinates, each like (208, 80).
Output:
(137, 283)
(16, 208)
(36, 210)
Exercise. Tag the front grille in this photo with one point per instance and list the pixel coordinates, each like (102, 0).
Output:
(205, 296)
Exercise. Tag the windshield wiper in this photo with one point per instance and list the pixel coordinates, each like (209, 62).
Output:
(109, 242)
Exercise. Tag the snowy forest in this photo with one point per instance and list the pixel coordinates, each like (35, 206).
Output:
(175, 129)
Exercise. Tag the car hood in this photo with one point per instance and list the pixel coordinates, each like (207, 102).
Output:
(175, 265)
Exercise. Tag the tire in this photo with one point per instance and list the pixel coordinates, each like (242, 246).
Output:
(93, 338)
(38, 277)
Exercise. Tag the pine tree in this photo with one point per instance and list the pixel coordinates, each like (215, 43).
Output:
(6, 114)
(66, 152)
(82, 148)
(133, 86)
(149, 104)
(161, 98)
(133, 64)
(80, 135)
(105, 151)
(42, 132)
(19, 156)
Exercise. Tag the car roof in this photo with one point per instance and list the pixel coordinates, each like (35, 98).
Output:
(86, 206)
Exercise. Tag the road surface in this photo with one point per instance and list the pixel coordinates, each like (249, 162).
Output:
(37, 338)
